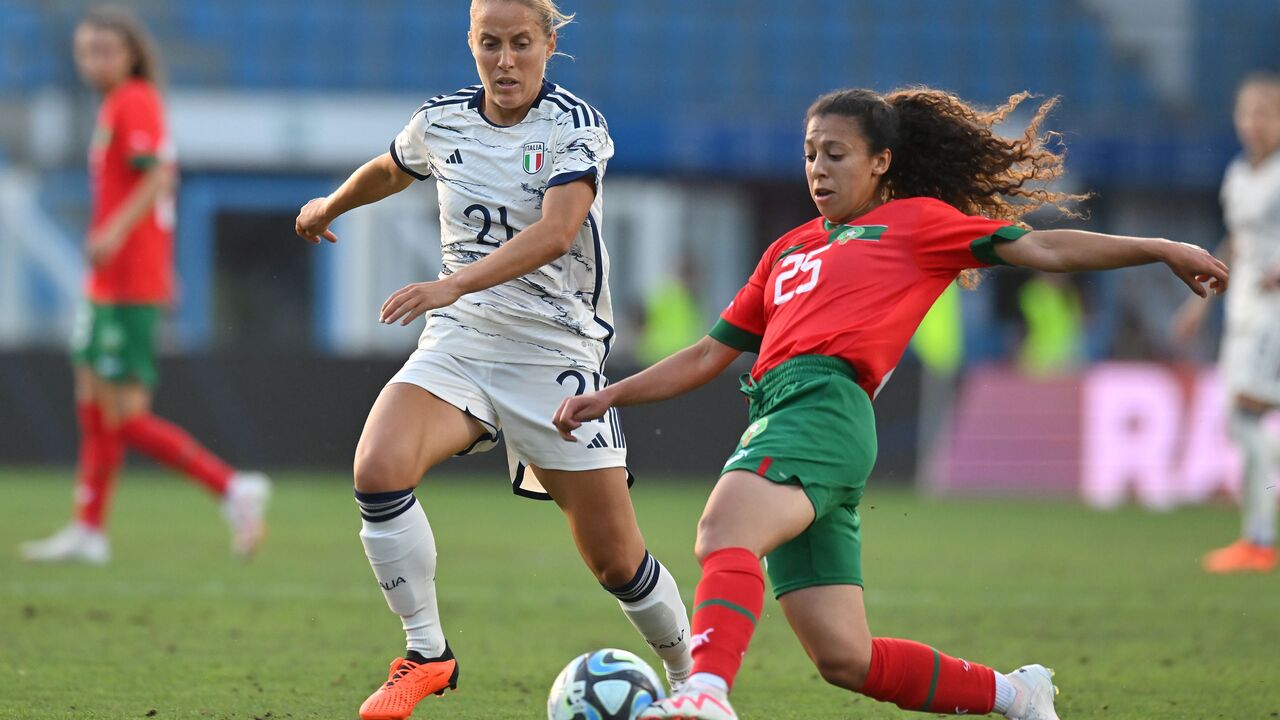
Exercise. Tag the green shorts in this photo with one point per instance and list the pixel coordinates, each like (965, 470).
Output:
(812, 426)
(117, 342)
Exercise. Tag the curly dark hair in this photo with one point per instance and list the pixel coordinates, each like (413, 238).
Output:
(942, 147)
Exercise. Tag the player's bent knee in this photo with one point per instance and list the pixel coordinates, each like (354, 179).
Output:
(374, 473)
(613, 574)
(612, 566)
(716, 532)
(844, 670)
(704, 545)
(710, 539)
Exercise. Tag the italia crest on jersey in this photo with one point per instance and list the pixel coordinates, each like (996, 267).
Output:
(535, 155)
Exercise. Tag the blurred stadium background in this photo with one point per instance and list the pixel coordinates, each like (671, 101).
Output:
(273, 353)
(1030, 385)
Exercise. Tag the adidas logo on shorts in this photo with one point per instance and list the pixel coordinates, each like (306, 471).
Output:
(597, 442)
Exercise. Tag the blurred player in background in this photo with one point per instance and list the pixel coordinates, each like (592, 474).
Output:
(130, 252)
(519, 319)
(913, 189)
(1250, 356)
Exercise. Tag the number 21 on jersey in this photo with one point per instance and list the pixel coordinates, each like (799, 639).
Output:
(794, 265)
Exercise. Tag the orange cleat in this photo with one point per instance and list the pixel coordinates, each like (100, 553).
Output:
(1240, 556)
(408, 683)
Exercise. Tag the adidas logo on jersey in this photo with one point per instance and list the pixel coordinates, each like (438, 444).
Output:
(597, 442)
(455, 158)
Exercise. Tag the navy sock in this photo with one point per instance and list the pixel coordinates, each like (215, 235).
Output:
(381, 507)
(641, 584)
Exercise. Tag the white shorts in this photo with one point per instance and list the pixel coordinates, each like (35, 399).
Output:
(1251, 361)
(519, 401)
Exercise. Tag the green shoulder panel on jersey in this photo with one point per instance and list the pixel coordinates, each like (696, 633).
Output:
(788, 251)
(845, 233)
(984, 248)
(735, 337)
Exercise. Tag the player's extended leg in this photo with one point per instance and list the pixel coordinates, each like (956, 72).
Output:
(408, 431)
(1255, 551)
(746, 517)
(831, 623)
(597, 506)
(161, 440)
(244, 495)
(100, 455)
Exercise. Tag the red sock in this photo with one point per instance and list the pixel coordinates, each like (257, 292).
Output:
(727, 606)
(170, 445)
(100, 455)
(917, 677)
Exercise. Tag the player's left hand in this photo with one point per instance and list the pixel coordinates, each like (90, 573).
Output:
(411, 301)
(101, 246)
(1196, 267)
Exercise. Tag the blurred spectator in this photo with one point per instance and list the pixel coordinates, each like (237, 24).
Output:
(672, 318)
(1051, 310)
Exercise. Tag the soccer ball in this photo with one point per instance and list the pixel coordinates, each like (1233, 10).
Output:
(606, 684)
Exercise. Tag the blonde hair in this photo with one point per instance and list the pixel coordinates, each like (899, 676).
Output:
(550, 17)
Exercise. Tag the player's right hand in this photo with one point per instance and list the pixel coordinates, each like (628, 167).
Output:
(313, 222)
(579, 409)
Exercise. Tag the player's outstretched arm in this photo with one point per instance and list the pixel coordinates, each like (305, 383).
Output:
(376, 179)
(1079, 250)
(686, 370)
(564, 210)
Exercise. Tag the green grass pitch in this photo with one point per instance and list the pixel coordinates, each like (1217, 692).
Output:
(175, 628)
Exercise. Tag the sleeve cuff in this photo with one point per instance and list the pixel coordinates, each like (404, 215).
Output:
(566, 178)
(735, 337)
(400, 164)
(143, 162)
(984, 248)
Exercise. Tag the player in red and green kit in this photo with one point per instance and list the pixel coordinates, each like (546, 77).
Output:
(914, 191)
(130, 251)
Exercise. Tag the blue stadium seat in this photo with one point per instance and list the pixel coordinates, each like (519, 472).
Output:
(705, 86)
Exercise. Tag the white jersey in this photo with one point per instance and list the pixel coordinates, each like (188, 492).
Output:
(1251, 206)
(491, 183)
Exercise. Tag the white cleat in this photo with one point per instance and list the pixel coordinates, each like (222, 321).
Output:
(693, 701)
(1035, 691)
(73, 543)
(245, 509)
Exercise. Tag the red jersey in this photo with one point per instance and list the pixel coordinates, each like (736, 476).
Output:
(130, 138)
(857, 291)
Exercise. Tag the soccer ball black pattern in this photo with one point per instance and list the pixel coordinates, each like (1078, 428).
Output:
(606, 684)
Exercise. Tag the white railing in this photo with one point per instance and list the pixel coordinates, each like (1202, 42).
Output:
(34, 249)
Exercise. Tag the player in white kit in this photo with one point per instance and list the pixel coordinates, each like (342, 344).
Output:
(1250, 359)
(518, 320)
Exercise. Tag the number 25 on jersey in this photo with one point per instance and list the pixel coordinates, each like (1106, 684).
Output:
(794, 265)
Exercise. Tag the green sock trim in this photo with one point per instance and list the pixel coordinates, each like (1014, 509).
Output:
(933, 684)
(736, 608)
